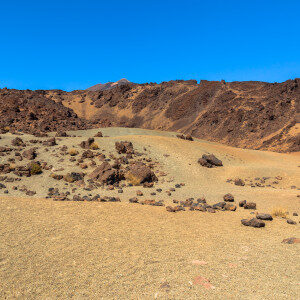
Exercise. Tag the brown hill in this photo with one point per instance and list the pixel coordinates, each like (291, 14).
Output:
(30, 111)
(255, 115)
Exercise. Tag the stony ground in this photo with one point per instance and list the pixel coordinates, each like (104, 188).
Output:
(90, 249)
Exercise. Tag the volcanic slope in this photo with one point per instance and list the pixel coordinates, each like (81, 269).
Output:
(254, 115)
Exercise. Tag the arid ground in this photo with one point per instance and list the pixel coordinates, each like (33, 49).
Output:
(120, 250)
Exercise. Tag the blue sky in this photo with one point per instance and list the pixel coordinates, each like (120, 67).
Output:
(75, 44)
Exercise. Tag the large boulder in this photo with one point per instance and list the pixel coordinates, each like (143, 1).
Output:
(105, 174)
(30, 154)
(73, 176)
(124, 147)
(254, 222)
(50, 142)
(265, 217)
(87, 144)
(210, 161)
(17, 142)
(139, 173)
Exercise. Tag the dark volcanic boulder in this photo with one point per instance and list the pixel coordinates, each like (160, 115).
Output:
(30, 154)
(239, 182)
(139, 173)
(253, 222)
(87, 144)
(61, 134)
(265, 217)
(50, 142)
(124, 147)
(17, 142)
(98, 134)
(249, 205)
(210, 161)
(228, 198)
(72, 177)
(105, 174)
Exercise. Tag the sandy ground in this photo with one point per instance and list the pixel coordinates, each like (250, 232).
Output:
(89, 250)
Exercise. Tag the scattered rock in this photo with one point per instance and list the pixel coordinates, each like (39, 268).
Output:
(239, 182)
(265, 217)
(50, 142)
(30, 154)
(290, 221)
(124, 147)
(228, 198)
(98, 134)
(253, 222)
(18, 142)
(249, 205)
(72, 177)
(139, 173)
(291, 240)
(210, 161)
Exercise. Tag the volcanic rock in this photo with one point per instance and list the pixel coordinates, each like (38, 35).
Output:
(265, 217)
(253, 222)
(139, 173)
(124, 147)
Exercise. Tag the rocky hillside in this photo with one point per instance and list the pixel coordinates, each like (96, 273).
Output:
(32, 112)
(255, 115)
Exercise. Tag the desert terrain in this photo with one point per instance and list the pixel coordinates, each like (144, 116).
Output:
(128, 213)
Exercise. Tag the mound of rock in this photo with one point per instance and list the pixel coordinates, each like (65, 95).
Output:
(210, 161)
(105, 173)
(185, 137)
(87, 144)
(139, 173)
(124, 147)
(254, 222)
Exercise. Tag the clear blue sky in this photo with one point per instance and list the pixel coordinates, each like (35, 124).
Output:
(75, 44)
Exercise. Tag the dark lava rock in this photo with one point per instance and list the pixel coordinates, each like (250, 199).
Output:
(87, 144)
(253, 222)
(171, 209)
(124, 147)
(228, 198)
(230, 207)
(17, 142)
(30, 154)
(219, 205)
(209, 161)
(73, 176)
(250, 205)
(265, 217)
(50, 142)
(185, 137)
(98, 134)
(242, 203)
(210, 210)
(105, 174)
(139, 173)
(61, 134)
(290, 221)
(239, 182)
(134, 200)
(291, 240)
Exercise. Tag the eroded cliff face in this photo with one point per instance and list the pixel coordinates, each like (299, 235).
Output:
(254, 115)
